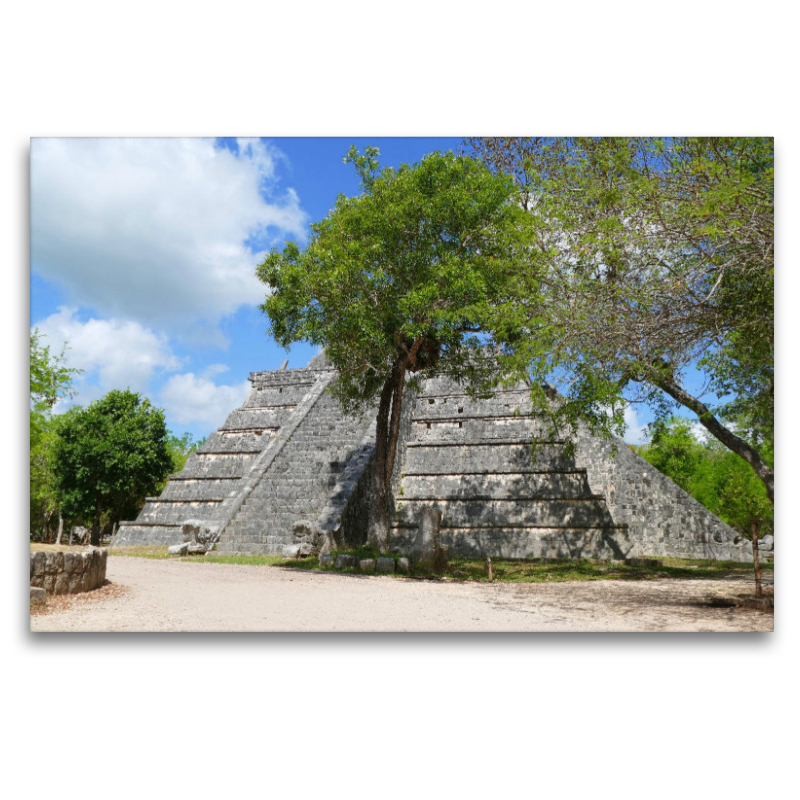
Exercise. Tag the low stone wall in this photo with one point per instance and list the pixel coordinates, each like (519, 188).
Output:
(68, 573)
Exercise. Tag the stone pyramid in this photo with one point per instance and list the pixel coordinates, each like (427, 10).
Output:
(289, 461)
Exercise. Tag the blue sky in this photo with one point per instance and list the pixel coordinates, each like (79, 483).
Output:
(143, 254)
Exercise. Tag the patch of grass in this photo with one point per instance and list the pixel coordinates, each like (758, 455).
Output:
(248, 560)
(474, 569)
(142, 551)
(37, 547)
(561, 571)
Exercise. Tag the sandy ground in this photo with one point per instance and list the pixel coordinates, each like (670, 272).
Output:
(151, 595)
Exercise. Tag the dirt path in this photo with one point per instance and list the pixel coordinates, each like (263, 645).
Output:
(182, 596)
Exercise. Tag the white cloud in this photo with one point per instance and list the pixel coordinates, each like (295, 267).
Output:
(154, 229)
(700, 432)
(189, 398)
(119, 354)
(635, 433)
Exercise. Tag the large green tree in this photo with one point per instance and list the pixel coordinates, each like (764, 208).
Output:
(658, 257)
(109, 456)
(50, 380)
(397, 282)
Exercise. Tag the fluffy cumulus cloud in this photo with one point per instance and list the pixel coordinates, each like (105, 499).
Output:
(190, 398)
(156, 229)
(114, 354)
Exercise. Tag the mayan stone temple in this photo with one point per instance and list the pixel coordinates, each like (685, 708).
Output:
(289, 467)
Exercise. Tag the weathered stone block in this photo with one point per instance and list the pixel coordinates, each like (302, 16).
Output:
(344, 560)
(38, 596)
(326, 561)
(385, 565)
(367, 565)
(190, 529)
(37, 565)
(304, 531)
(403, 566)
(441, 557)
(195, 549)
(299, 550)
(178, 549)
(427, 538)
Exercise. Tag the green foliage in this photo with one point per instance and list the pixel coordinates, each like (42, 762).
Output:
(413, 265)
(658, 256)
(109, 456)
(714, 476)
(50, 380)
(675, 451)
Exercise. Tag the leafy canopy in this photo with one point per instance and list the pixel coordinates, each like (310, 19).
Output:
(657, 257)
(50, 380)
(408, 270)
(109, 455)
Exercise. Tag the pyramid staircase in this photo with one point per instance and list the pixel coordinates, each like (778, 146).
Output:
(304, 479)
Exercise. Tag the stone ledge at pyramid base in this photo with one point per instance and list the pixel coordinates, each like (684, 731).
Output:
(289, 454)
(611, 543)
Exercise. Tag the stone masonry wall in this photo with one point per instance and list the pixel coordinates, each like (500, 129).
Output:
(68, 573)
(472, 460)
(663, 519)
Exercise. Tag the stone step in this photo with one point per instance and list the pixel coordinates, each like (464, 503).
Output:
(561, 513)
(485, 486)
(175, 513)
(228, 465)
(462, 406)
(476, 431)
(270, 417)
(134, 534)
(433, 458)
(527, 542)
(274, 395)
(223, 442)
(200, 489)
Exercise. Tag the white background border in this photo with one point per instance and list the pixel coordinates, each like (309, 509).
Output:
(210, 716)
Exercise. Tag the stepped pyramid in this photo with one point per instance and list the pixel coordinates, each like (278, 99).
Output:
(289, 454)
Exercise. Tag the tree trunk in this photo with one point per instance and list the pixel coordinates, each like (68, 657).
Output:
(720, 432)
(756, 562)
(387, 430)
(60, 528)
(95, 535)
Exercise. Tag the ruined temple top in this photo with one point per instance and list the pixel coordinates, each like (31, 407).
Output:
(320, 361)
